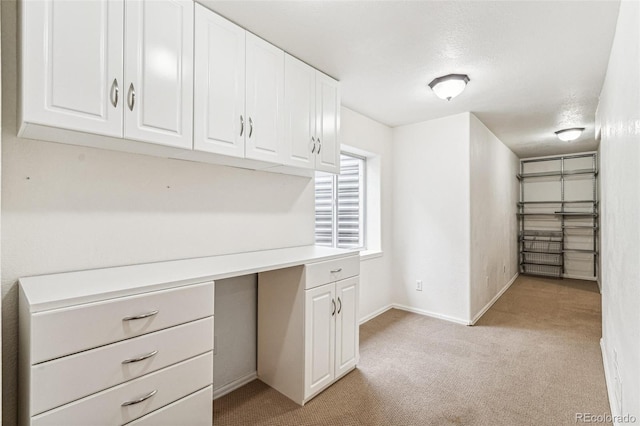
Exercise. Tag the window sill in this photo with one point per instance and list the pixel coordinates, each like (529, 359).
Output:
(370, 254)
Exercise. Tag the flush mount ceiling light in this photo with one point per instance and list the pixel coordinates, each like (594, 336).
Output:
(568, 135)
(449, 86)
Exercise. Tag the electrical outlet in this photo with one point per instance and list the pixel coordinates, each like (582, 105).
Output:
(419, 285)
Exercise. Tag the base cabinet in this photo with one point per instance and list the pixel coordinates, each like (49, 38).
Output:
(141, 357)
(308, 331)
(347, 326)
(320, 333)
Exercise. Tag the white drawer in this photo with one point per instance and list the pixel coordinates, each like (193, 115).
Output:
(65, 331)
(192, 410)
(57, 382)
(332, 270)
(105, 408)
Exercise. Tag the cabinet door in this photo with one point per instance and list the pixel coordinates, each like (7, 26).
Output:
(300, 113)
(219, 75)
(320, 311)
(264, 103)
(72, 65)
(328, 124)
(347, 335)
(159, 72)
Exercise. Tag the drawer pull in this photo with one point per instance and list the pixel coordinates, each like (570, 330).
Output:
(335, 271)
(141, 316)
(339, 305)
(141, 399)
(140, 358)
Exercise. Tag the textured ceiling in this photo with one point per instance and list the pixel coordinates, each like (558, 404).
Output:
(535, 66)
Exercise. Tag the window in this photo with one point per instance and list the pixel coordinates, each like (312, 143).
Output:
(340, 214)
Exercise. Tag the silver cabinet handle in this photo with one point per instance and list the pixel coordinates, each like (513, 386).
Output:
(143, 357)
(335, 271)
(319, 145)
(131, 97)
(141, 399)
(141, 316)
(114, 93)
(339, 305)
(334, 307)
(313, 150)
(250, 127)
(241, 125)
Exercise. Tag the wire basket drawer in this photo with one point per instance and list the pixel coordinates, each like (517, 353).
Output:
(543, 259)
(544, 270)
(542, 246)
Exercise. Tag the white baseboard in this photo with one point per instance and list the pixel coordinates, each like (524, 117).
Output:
(494, 300)
(430, 314)
(613, 402)
(412, 310)
(238, 383)
(375, 314)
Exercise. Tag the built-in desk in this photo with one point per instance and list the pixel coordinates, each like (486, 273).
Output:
(114, 345)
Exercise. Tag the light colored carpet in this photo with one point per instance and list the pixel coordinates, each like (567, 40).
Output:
(533, 359)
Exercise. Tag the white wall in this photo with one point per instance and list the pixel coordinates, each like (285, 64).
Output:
(431, 222)
(494, 225)
(236, 302)
(375, 139)
(67, 208)
(619, 117)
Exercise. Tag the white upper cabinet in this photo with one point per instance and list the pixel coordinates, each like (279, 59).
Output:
(238, 108)
(72, 65)
(312, 118)
(300, 113)
(327, 124)
(264, 101)
(177, 76)
(219, 119)
(159, 71)
(81, 73)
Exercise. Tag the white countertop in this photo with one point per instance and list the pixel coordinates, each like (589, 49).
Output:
(45, 292)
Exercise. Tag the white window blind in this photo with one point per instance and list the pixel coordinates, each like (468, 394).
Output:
(340, 205)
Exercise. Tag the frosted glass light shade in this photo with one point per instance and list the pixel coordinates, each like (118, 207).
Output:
(568, 135)
(449, 86)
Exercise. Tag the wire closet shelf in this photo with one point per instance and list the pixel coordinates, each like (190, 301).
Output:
(551, 231)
